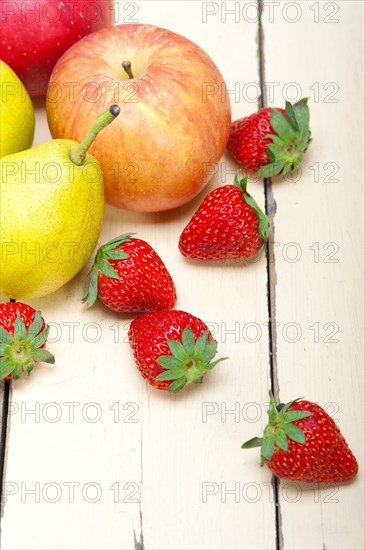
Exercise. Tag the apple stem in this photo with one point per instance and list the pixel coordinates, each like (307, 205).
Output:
(127, 66)
(77, 155)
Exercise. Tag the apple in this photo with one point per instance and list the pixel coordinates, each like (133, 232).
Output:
(35, 33)
(175, 112)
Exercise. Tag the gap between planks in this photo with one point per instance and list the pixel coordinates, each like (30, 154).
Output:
(270, 208)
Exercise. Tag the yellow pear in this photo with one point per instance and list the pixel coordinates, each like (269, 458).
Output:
(17, 113)
(52, 208)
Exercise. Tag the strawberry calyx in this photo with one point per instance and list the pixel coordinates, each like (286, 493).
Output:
(278, 430)
(108, 251)
(19, 353)
(290, 141)
(189, 360)
(264, 223)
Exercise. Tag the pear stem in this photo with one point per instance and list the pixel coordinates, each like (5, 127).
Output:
(77, 155)
(127, 66)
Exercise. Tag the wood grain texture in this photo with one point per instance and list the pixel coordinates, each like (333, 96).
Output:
(319, 252)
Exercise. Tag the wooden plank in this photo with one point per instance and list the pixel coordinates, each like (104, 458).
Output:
(175, 460)
(315, 50)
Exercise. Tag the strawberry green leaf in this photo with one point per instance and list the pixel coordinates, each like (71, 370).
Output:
(169, 362)
(188, 340)
(294, 433)
(36, 325)
(210, 351)
(6, 367)
(281, 125)
(39, 340)
(301, 113)
(254, 442)
(116, 255)
(281, 441)
(20, 330)
(177, 349)
(292, 139)
(3, 349)
(107, 269)
(211, 366)
(264, 224)
(291, 115)
(271, 170)
(201, 344)
(5, 337)
(170, 375)
(189, 360)
(43, 355)
(267, 448)
(294, 415)
(177, 385)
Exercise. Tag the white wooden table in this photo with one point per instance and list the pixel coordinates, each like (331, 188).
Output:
(95, 458)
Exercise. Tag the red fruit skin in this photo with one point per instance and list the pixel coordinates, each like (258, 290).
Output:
(247, 142)
(148, 335)
(223, 227)
(324, 458)
(144, 284)
(35, 33)
(8, 314)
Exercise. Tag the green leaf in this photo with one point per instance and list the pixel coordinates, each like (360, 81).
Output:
(17, 373)
(201, 344)
(270, 170)
(293, 415)
(291, 115)
(267, 449)
(275, 139)
(286, 406)
(210, 351)
(108, 270)
(281, 440)
(3, 349)
(28, 368)
(281, 126)
(198, 380)
(169, 375)
(301, 113)
(211, 366)
(177, 350)
(6, 367)
(169, 362)
(20, 331)
(39, 340)
(116, 255)
(5, 337)
(251, 443)
(36, 325)
(118, 241)
(188, 340)
(294, 433)
(264, 223)
(177, 385)
(43, 355)
(92, 292)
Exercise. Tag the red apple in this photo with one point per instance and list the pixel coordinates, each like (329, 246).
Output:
(175, 113)
(35, 33)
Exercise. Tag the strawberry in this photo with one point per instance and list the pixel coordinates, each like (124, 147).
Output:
(271, 141)
(172, 348)
(302, 443)
(23, 336)
(228, 224)
(128, 275)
